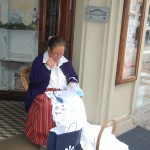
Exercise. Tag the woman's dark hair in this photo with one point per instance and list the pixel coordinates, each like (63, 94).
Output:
(56, 41)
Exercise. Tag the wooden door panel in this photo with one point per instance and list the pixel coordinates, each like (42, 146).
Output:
(64, 11)
(66, 24)
(59, 19)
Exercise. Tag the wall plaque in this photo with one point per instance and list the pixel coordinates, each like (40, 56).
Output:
(97, 14)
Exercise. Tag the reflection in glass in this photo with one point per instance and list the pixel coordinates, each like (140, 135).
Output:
(132, 39)
(143, 97)
(18, 40)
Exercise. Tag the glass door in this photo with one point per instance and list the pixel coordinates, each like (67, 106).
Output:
(144, 86)
(19, 30)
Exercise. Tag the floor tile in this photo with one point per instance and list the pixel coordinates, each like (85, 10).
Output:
(12, 118)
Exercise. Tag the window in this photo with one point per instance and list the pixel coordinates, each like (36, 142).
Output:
(130, 40)
(19, 30)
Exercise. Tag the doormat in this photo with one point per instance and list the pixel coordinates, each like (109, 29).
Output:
(137, 139)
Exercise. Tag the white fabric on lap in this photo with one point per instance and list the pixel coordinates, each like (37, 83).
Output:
(72, 110)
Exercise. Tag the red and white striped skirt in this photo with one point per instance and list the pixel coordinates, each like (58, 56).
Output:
(39, 120)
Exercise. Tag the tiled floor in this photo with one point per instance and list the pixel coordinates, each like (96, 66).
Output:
(12, 118)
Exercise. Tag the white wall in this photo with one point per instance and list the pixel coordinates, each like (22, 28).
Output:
(95, 59)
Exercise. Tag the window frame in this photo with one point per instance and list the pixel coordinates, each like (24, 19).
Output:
(123, 40)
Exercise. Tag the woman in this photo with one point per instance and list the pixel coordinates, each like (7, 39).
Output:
(50, 71)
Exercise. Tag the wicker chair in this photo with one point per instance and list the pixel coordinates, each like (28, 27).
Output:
(24, 75)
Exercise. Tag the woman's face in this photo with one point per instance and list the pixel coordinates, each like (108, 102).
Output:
(56, 53)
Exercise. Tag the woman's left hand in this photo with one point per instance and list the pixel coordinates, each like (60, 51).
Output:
(70, 83)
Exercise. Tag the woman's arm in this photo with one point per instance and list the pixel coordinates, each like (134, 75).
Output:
(39, 72)
(70, 73)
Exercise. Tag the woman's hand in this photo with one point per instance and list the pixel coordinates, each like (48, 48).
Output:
(51, 63)
(70, 83)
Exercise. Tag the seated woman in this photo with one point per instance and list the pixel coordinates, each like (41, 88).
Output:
(50, 71)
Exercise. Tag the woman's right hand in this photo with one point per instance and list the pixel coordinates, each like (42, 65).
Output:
(51, 63)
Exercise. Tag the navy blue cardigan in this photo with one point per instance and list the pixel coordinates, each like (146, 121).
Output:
(40, 77)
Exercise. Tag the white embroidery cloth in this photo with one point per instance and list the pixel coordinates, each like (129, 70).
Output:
(72, 110)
